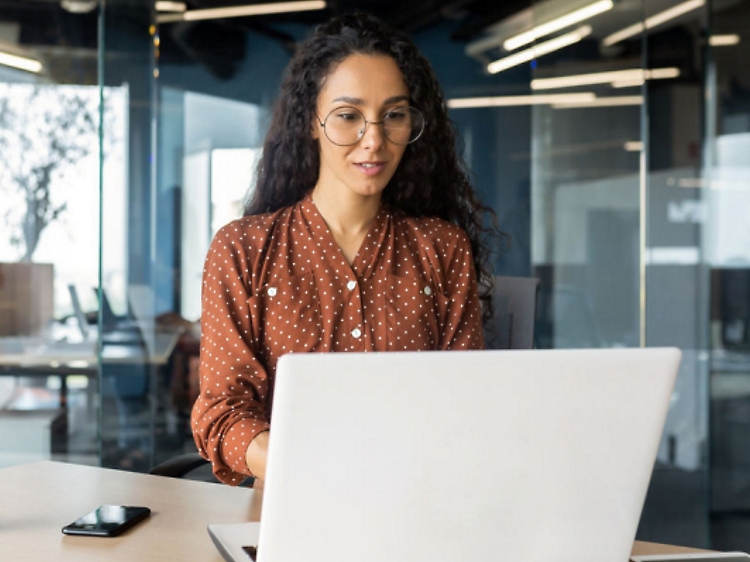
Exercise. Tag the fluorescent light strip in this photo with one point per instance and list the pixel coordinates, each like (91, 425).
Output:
(242, 11)
(633, 146)
(167, 6)
(22, 63)
(577, 16)
(723, 40)
(538, 50)
(623, 34)
(662, 73)
(697, 183)
(633, 75)
(653, 21)
(692, 182)
(509, 101)
(613, 101)
(628, 83)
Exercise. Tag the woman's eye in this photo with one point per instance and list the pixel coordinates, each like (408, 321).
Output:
(395, 115)
(347, 116)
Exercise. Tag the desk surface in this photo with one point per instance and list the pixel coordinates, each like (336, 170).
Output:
(30, 353)
(39, 499)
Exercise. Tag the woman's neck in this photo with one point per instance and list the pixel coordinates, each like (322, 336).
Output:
(348, 217)
(346, 214)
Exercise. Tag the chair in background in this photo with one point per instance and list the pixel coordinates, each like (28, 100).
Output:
(179, 466)
(514, 300)
(191, 466)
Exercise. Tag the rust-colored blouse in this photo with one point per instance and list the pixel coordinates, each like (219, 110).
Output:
(279, 283)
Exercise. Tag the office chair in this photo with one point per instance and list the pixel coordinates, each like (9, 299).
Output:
(515, 301)
(180, 466)
(191, 466)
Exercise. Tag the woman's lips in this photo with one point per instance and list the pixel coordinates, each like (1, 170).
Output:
(370, 168)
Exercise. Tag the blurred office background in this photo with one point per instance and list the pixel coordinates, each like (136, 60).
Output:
(612, 138)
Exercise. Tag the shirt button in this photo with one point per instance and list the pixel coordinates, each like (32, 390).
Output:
(356, 333)
(351, 285)
(272, 291)
(427, 291)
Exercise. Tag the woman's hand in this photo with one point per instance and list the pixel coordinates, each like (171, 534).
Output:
(256, 455)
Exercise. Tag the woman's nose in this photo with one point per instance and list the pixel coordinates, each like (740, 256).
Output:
(374, 135)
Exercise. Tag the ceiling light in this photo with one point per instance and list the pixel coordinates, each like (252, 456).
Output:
(538, 50)
(723, 40)
(633, 146)
(11, 56)
(653, 21)
(661, 73)
(242, 11)
(634, 76)
(541, 30)
(628, 83)
(612, 101)
(167, 6)
(78, 6)
(509, 101)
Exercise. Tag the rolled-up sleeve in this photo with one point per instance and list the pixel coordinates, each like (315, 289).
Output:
(230, 409)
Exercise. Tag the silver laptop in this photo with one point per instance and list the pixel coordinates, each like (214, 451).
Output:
(530, 456)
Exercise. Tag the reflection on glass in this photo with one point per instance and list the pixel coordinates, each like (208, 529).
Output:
(586, 189)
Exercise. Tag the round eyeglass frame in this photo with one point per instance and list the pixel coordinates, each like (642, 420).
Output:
(364, 129)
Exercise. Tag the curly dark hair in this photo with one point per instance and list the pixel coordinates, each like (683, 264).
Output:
(431, 179)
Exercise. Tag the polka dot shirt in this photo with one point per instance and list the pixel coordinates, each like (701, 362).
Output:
(278, 283)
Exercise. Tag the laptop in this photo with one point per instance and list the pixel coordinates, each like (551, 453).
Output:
(530, 456)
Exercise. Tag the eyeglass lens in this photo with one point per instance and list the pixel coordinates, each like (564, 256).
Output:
(346, 125)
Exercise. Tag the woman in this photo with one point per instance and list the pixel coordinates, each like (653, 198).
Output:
(363, 234)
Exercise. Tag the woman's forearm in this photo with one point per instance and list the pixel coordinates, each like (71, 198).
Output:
(256, 455)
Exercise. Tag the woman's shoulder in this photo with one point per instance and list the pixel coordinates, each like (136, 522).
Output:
(251, 230)
(246, 235)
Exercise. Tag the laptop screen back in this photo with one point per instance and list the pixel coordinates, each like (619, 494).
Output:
(477, 455)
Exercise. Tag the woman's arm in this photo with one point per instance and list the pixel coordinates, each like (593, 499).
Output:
(256, 455)
(231, 408)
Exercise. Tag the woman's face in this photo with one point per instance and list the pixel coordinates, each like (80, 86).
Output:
(372, 84)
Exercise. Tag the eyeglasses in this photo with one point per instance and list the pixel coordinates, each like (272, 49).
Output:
(345, 126)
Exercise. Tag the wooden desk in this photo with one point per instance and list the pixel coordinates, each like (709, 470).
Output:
(39, 499)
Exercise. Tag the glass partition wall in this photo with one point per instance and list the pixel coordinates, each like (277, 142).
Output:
(722, 202)
(195, 96)
(49, 219)
(639, 224)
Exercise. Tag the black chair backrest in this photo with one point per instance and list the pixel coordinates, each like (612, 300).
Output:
(514, 301)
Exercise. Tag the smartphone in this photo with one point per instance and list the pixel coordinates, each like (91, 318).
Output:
(107, 521)
(696, 557)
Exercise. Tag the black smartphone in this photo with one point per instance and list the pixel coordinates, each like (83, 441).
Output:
(107, 521)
